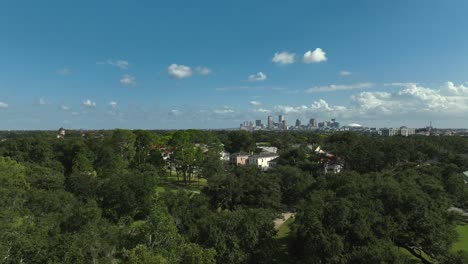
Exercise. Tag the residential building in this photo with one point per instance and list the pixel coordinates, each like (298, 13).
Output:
(61, 133)
(239, 158)
(262, 160)
(225, 156)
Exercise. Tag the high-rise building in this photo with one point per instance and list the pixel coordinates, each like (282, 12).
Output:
(280, 119)
(270, 122)
(313, 122)
(298, 123)
(258, 123)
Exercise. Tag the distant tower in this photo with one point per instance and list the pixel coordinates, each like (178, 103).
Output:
(298, 123)
(313, 122)
(258, 123)
(280, 119)
(270, 122)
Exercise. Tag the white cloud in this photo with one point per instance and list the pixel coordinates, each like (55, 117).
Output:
(89, 103)
(345, 73)
(203, 70)
(255, 103)
(64, 71)
(316, 56)
(179, 71)
(260, 76)
(65, 108)
(175, 112)
(127, 79)
(42, 101)
(113, 104)
(3, 105)
(283, 58)
(262, 110)
(339, 87)
(224, 110)
(122, 64)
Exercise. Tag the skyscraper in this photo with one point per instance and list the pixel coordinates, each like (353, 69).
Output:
(258, 123)
(313, 122)
(270, 122)
(298, 123)
(280, 119)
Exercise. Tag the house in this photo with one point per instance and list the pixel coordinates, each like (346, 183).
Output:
(333, 166)
(262, 160)
(239, 158)
(465, 177)
(61, 133)
(225, 156)
(268, 149)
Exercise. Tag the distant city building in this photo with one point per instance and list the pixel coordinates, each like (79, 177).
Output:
(258, 123)
(270, 122)
(298, 123)
(402, 131)
(280, 119)
(313, 122)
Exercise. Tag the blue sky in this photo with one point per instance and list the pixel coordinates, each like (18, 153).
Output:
(213, 64)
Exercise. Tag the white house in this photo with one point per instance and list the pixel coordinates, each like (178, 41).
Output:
(225, 156)
(262, 160)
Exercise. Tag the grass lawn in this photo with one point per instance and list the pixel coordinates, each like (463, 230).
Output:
(171, 183)
(462, 243)
(283, 238)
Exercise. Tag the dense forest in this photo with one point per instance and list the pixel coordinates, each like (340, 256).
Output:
(104, 197)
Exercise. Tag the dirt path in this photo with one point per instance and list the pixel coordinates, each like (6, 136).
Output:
(280, 221)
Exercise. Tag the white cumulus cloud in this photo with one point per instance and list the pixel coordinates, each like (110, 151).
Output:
(255, 103)
(127, 79)
(345, 73)
(122, 64)
(65, 108)
(224, 110)
(89, 103)
(284, 58)
(203, 70)
(3, 105)
(179, 71)
(339, 87)
(113, 104)
(260, 76)
(316, 56)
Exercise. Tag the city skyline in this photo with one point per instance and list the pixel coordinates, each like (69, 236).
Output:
(214, 65)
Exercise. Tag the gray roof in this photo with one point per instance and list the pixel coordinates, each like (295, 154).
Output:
(265, 155)
(465, 176)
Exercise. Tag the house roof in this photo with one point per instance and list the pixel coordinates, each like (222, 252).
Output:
(465, 176)
(240, 154)
(265, 155)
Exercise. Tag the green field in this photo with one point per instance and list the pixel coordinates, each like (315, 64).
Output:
(462, 243)
(283, 238)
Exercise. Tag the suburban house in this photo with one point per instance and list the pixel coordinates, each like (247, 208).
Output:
(61, 133)
(262, 160)
(465, 177)
(332, 166)
(268, 149)
(225, 156)
(239, 158)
